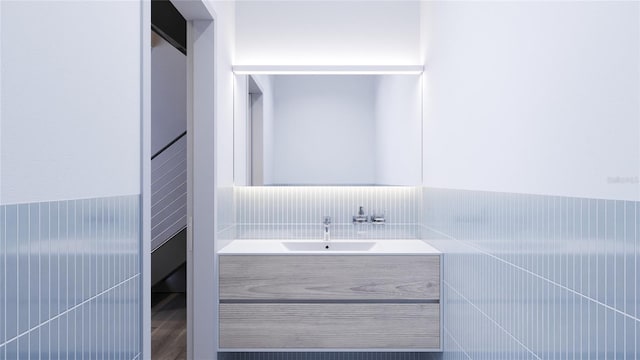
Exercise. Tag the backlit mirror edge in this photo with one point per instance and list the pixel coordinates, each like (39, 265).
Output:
(328, 69)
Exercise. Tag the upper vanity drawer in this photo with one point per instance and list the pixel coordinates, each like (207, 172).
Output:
(325, 277)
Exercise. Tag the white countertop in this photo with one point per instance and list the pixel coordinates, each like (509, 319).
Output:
(381, 247)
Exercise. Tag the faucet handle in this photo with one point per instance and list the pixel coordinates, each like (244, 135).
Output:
(378, 218)
(327, 220)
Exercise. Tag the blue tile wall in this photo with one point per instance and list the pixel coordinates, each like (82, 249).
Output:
(298, 211)
(537, 277)
(70, 279)
(226, 228)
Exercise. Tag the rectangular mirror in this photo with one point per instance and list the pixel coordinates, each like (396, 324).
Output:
(328, 129)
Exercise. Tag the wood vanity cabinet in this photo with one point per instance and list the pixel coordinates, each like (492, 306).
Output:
(330, 302)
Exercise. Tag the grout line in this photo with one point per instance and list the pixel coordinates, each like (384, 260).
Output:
(71, 199)
(94, 297)
(541, 277)
(226, 228)
(438, 232)
(492, 320)
(457, 344)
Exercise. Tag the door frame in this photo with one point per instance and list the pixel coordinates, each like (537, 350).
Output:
(202, 330)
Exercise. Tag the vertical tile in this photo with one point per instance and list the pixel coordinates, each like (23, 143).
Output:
(45, 269)
(3, 274)
(119, 235)
(63, 335)
(96, 226)
(629, 253)
(45, 341)
(11, 274)
(23, 268)
(78, 334)
(593, 239)
(70, 251)
(24, 345)
(87, 333)
(78, 252)
(619, 257)
(609, 255)
(62, 246)
(34, 344)
(54, 258)
(11, 350)
(85, 261)
(586, 246)
(34, 265)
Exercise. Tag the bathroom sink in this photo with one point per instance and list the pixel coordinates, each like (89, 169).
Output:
(336, 247)
(328, 245)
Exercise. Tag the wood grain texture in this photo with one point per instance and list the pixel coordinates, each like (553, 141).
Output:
(169, 327)
(340, 277)
(331, 326)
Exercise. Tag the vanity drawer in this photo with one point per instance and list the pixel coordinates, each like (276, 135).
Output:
(329, 277)
(330, 325)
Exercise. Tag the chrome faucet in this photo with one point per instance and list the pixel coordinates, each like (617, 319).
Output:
(361, 217)
(327, 222)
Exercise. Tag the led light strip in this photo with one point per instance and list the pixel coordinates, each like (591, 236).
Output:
(327, 69)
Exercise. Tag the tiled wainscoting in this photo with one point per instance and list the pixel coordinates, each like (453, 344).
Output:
(525, 276)
(537, 277)
(70, 279)
(226, 227)
(298, 211)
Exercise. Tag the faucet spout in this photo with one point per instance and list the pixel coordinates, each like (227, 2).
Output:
(327, 232)
(361, 217)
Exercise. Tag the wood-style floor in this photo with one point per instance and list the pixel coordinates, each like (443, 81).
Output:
(169, 326)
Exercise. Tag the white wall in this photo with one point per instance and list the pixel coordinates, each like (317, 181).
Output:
(327, 32)
(532, 97)
(225, 29)
(398, 122)
(225, 45)
(168, 94)
(324, 130)
(70, 100)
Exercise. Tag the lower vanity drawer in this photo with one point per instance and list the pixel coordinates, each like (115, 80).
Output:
(330, 326)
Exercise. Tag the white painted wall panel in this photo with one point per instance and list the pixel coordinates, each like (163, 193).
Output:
(327, 32)
(70, 114)
(533, 97)
(225, 40)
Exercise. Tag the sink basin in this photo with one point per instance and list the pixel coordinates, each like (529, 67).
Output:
(319, 247)
(328, 245)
